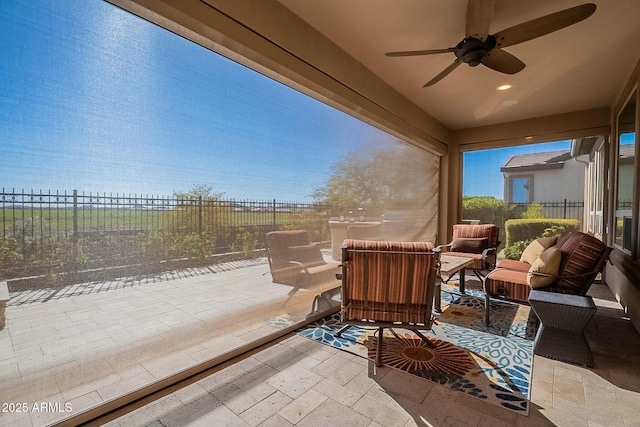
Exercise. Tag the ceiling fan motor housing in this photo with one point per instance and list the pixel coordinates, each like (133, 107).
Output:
(471, 50)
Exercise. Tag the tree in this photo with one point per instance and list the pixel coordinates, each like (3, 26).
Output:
(199, 190)
(376, 180)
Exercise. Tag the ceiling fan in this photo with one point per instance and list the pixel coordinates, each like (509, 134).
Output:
(480, 47)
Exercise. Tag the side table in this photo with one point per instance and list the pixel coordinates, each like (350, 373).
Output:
(563, 318)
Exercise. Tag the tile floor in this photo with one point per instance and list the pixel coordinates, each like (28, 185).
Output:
(88, 343)
(300, 382)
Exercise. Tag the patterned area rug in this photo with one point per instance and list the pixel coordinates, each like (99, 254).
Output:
(492, 363)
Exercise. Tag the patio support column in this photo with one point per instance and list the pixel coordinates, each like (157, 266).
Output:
(450, 197)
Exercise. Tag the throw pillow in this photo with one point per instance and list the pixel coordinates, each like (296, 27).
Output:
(470, 245)
(535, 249)
(548, 263)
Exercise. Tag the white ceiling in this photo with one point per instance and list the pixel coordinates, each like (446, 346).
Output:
(580, 67)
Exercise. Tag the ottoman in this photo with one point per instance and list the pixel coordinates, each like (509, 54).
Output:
(563, 318)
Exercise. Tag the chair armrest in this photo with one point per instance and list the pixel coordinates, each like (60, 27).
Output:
(448, 245)
(485, 253)
(299, 264)
(290, 266)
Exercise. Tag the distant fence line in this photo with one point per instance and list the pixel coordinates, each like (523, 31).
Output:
(79, 212)
(113, 228)
(566, 209)
(58, 231)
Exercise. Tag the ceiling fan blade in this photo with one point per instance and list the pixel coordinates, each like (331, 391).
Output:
(419, 52)
(478, 21)
(543, 25)
(443, 73)
(502, 61)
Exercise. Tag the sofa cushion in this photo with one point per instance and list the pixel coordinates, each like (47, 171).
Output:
(536, 248)
(513, 264)
(544, 270)
(581, 254)
(508, 283)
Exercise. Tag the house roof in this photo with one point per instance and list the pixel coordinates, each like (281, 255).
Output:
(536, 161)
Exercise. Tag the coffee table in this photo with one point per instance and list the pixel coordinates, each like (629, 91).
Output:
(450, 265)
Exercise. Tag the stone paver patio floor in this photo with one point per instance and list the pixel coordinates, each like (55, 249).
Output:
(85, 344)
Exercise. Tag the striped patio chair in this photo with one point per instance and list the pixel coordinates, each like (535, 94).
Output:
(295, 262)
(388, 284)
(477, 241)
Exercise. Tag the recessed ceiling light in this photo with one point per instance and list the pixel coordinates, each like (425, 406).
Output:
(509, 102)
(504, 87)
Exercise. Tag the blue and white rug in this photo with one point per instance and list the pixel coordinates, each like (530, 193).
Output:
(492, 363)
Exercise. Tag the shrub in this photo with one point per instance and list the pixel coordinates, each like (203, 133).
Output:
(518, 230)
(515, 251)
(488, 210)
(9, 254)
(316, 224)
(534, 211)
(151, 245)
(246, 241)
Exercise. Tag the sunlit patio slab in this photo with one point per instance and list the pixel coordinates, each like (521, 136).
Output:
(88, 343)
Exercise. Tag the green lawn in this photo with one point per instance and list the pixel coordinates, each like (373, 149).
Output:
(113, 219)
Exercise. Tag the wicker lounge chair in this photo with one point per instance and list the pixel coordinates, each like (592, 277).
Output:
(388, 284)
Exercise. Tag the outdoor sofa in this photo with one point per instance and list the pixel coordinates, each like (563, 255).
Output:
(566, 265)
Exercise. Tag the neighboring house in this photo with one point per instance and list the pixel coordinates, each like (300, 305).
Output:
(548, 176)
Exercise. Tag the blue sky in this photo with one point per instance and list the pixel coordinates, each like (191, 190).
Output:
(95, 99)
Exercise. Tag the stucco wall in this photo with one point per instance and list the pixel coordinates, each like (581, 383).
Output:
(559, 184)
(555, 184)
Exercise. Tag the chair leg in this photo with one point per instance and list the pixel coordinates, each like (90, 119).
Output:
(426, 340)
(342, 330)
(379, 348)
(479, 275)
(486, 308)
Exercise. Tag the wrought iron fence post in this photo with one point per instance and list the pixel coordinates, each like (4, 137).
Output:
(75, 227)
(274, 213)
(564, 213)
(200, 216)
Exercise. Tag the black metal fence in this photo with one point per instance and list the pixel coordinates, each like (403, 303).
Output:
(70, 230)
(51, 232)
(566, 209)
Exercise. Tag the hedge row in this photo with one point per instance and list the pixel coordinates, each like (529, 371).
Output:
(527, 229)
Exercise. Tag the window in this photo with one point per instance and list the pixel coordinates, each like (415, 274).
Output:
(157, 168)
(625, 169)
(595, 218)
(521, 189)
